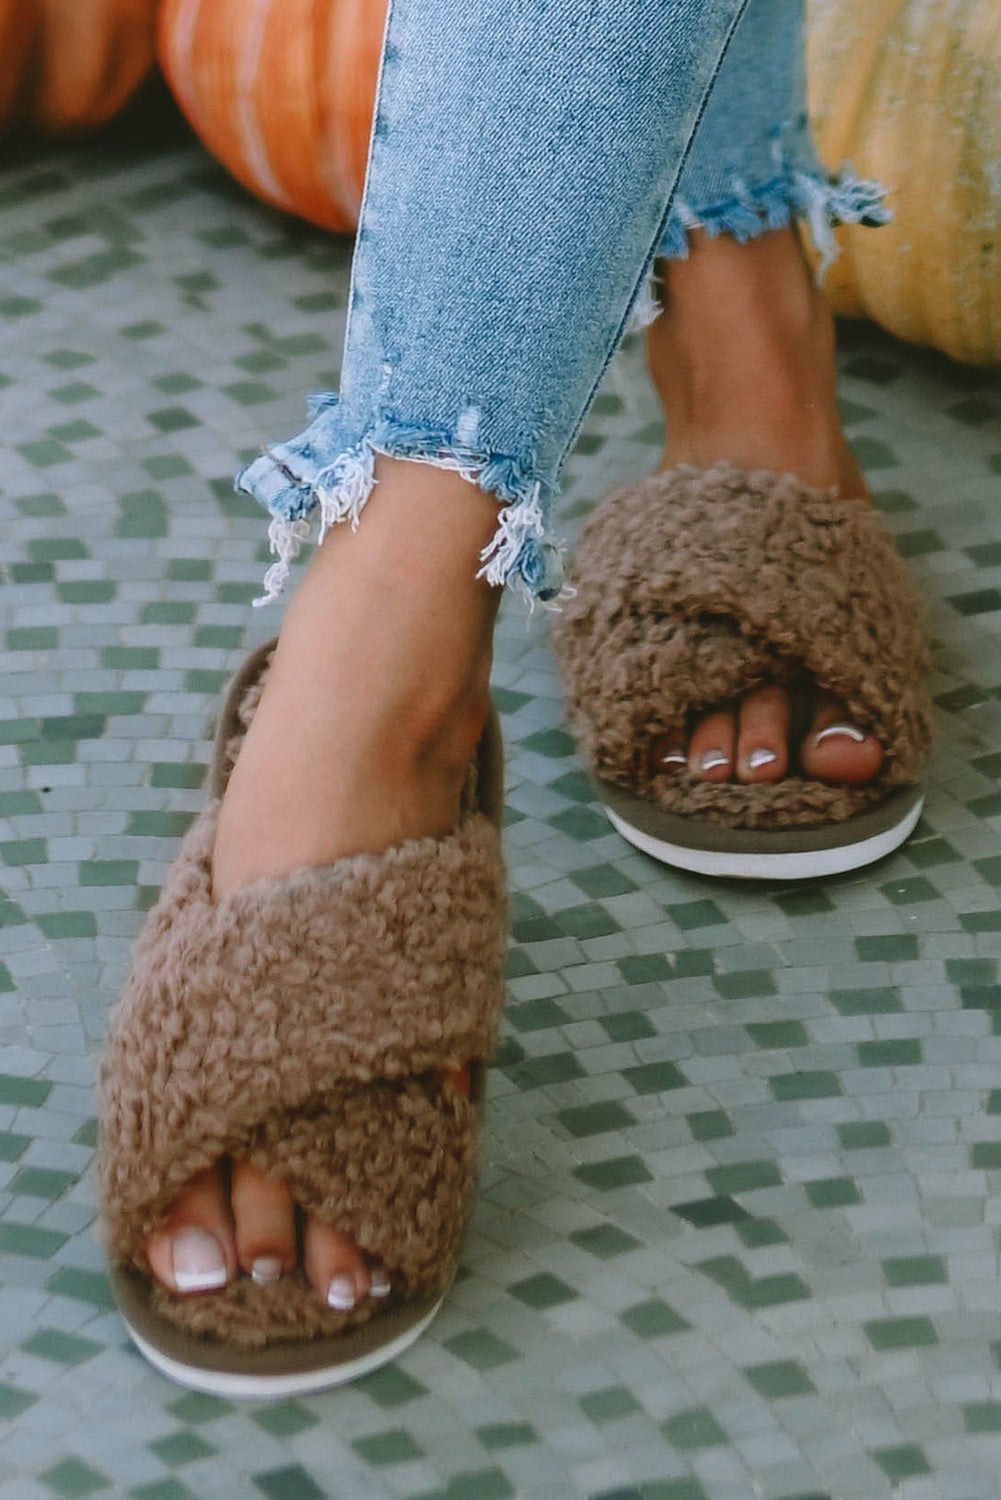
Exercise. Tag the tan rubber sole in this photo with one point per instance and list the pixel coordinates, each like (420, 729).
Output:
(706, 848)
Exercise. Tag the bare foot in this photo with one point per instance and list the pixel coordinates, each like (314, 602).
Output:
(742, 357)
(370, 716)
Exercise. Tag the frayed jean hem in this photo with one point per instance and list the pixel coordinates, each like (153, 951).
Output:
(306, 496)
(751, 209)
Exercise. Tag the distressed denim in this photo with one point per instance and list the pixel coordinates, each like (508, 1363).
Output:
(753, 165)
(522, 178)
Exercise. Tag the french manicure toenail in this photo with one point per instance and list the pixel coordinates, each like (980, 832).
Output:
(379, 1284)
(711, 760)
(762, 757)
(675, 757)
(266, 1269)
(839, 731)
(342, 1294)
(198, 1262)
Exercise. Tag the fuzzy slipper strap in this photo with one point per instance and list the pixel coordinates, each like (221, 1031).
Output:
(285, 1000)
(694, 586)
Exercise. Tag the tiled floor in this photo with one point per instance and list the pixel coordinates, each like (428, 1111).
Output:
(738, 1234)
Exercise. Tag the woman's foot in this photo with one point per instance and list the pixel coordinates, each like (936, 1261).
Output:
(368, 722)
(742, 357)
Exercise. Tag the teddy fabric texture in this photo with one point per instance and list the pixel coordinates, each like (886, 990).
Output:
(694, 586)
(301, 1023)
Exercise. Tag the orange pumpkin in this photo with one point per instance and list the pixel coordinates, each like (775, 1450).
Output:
(71, 64)
(282, 92)
(17, 27)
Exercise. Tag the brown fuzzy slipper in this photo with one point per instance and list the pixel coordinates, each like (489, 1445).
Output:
(694, 586)
(305, 1024)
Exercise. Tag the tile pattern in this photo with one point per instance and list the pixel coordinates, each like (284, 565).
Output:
(738, 1233)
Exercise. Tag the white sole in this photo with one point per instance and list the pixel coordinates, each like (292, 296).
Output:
(228, 1383)
(810, 864)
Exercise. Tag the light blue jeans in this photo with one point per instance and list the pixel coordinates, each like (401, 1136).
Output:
(529, 161)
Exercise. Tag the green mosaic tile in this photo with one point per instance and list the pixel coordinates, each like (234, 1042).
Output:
(12, 1145)
(176, 774)
(862, 1135)
(62, 1348)
(595, 1119)
(605, 1241)
(30, 1239)
(587, 921)
(896, 1053)
(506, 1434)
(710, 1125)
(542, 1291)
(283, 1419)
(690, 915)
(579, 823)
(13, 1401)
(817, 1085)
(17, 1090)
(181, 1447)
(778, 1379)
(289, 1483)
(392, 1447)
(109, 872)
(481, 1349)
(915, 1270)
(832, 1192)
(900, 1333)
(779, 1034)
(41, 1182)
(142, 513)
(618, 1172)
(608, 1404)
(986, 1154)
(644, 968)
(745, 984)
(902, 1461)
(72, 1479)
(694, 1428)
(866, 1002)
(982, 1416)
(627, 1026)
(603, 880)
(702, 1212)
(653, 1319)
(92, 1287)
(896, 947)
(743, 1177)
(654, 1078)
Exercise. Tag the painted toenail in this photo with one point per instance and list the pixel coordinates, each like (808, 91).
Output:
(198, 1262)
(673, 757)
(379, 1284)
(839, 731)
(342, 1294)
(266, 1269)
(762, 757)
(711, 760)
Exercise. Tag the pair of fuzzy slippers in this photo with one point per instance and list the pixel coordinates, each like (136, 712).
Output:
(305, 1024)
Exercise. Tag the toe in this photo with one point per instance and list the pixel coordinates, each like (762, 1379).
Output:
(712, 746)
(763, 734)
(264, 1216)
(837, 749)
(336, 1267)
(194, 1250)
(669, 750)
